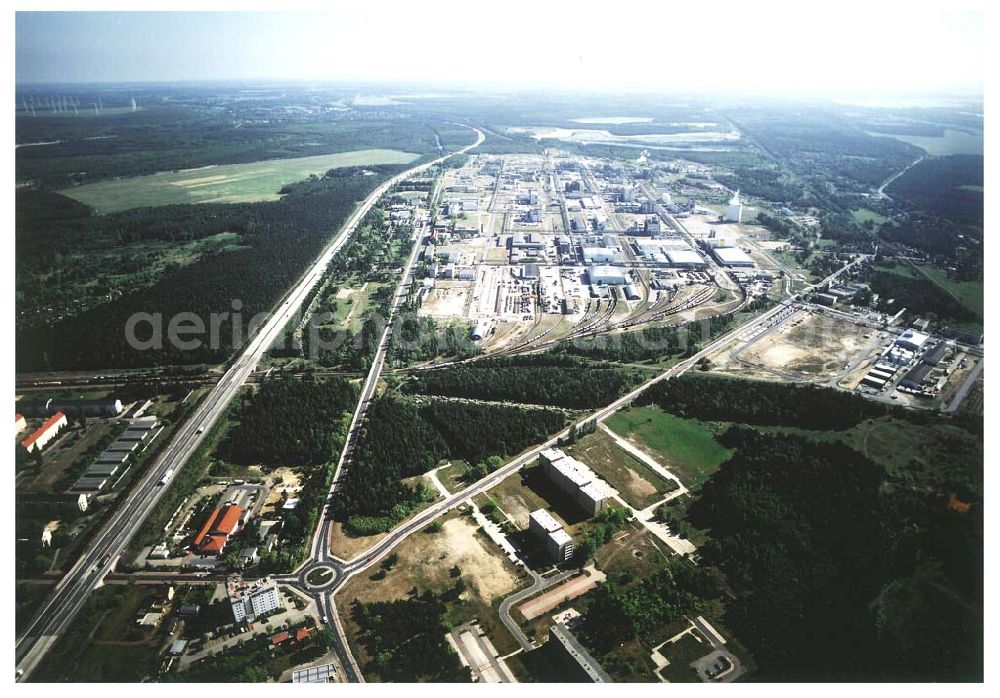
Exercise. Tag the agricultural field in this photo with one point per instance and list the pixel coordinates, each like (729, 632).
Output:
(686, 447)
(242, 183)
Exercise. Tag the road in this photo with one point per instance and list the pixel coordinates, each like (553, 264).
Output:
(881, 190)
(99, 557)
(345, 570)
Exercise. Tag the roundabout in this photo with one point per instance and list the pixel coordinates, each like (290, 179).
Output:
(319, 577)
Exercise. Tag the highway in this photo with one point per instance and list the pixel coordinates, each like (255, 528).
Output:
(99, 557)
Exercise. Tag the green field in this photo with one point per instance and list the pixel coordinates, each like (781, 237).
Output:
(968, 293)
(687, 446)
(866, 214)
(252, 181)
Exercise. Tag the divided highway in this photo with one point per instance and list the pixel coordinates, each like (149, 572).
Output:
(98, 559)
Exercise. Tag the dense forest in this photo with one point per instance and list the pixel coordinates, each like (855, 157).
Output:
(290, 422)
(623, 610)
(950, 187)
(276, 241)
(406, 640)
(763, 403)
(165, 138)
(919, 296)
(539, 379)
(402, 438)
(836, 575)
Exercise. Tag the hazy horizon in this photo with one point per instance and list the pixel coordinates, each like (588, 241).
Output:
(853, 51)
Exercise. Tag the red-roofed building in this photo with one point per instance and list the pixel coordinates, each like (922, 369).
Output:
(280, 637)
(301, 634)
(19, 423)
(45, 433)
(218, 527)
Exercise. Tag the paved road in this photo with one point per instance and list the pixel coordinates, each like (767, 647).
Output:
(539, 584)
(99, 557)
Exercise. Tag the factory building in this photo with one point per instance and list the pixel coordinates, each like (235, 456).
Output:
(734, 214)
(45, 433)
(937, 354)
(529, 271)
(576, 480)
(630, 292)
(652, 226)
(527, 242)
(916, 379)
(912, 340)
(827, 299)
(732, 257)
(610, 276)
(252, 599)
(557, 542)
(685, 259)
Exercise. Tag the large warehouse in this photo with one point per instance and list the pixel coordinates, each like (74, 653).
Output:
(610, 276)
(684, 258)
(732, 257)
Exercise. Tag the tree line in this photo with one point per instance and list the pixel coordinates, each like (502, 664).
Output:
(564, 381)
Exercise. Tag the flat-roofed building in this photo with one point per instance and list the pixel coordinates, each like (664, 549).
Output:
(732, 257)
(117, 457)
(604, 275)
(123, 446)
(558, 544)
(252, 599)
(684, 258)
(912, 340)
(576, 480)
(571, 647)
(103, 469)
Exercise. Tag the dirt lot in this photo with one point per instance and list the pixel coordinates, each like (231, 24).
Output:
(814, 345)
(426, 561)
(347, 546)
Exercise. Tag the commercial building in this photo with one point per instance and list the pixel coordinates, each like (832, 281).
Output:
(602, 274)
(732, 257)
(252, 599)
(45, 433)
(576, 480)
(558, 543)
(218, 527)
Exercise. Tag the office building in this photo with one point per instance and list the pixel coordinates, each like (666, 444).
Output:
(252, 599)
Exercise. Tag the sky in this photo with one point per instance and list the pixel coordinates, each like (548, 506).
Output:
(804, 48)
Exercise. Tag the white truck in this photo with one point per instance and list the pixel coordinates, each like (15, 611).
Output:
(166, 476)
